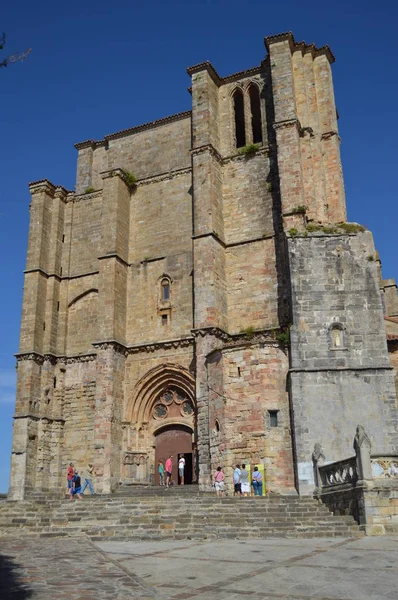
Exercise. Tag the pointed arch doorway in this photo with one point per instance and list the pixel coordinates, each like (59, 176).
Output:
(160, 420)
(174, 440)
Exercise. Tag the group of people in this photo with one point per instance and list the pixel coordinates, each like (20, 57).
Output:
(168, 470)
(241, 481)
(74, 480)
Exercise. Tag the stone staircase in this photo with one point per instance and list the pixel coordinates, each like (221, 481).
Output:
(171, 515)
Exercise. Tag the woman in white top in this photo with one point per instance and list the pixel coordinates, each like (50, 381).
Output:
(181, 467)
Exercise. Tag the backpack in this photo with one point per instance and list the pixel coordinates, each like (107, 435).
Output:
(77, 481)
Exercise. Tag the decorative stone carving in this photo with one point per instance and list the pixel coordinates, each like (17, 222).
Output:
(362, 447)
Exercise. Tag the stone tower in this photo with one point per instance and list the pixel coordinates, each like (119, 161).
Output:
(159, 296)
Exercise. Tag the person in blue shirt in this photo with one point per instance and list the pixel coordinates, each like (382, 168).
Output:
(257, 482)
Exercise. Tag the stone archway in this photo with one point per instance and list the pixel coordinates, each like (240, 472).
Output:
(161, 417)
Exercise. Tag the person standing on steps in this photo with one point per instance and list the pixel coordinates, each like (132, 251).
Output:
(87, 476)
(169, 470)
(161, 472)
(76, 487)
(181, 467)
(237, 484)
(219, 482)
(244, 481)
(257, 482)
(69, 477)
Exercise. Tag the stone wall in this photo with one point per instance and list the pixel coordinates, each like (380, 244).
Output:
(245, 384)
(334, 285)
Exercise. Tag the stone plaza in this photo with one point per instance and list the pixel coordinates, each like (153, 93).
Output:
(318, 569)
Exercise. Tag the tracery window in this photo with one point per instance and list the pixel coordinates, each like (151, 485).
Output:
(173, 403)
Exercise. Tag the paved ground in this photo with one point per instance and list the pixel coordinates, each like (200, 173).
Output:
(335, 569)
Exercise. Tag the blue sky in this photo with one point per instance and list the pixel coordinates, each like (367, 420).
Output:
(98, 67)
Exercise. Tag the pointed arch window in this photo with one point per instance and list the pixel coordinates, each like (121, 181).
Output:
(255, 108)
(239, 113)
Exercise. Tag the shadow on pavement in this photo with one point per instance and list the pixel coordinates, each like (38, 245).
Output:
(11, 588)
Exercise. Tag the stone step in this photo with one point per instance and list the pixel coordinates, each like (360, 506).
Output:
(172, 516)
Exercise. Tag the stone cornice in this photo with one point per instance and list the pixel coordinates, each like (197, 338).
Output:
(164, 176)
(263, 336)
(145, 347)
(329, 134)
(299, 46)
(262, 151)
(332, 368)
(37, 417)
(45, 186)
(131, 130)
(59, 277)
(211, 234)
(218, 80)
(90, 196)
(115, 255)
(86, 144)
(207, 148)
(113, 173)
(55, 358)
(288, 123)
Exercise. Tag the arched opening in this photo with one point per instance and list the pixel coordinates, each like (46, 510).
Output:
(336, 332)
(255, 108)
(239, 111)
(175, 441)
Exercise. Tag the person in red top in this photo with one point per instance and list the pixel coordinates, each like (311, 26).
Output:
(169, 469)
(69, 477)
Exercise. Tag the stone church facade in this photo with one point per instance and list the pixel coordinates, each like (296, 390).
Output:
(215, 303)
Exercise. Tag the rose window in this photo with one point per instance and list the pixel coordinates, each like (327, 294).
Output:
(173, 403)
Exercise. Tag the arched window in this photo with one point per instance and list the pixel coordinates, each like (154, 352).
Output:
(239, 111)
(255, 108)
(165, 289)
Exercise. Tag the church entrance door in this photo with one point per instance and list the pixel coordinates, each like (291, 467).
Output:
(174, 440)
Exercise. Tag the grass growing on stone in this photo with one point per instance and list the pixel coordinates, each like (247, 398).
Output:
(129, 179)
(299, 210)
(293, 232)
(249, 149)
(89, 190)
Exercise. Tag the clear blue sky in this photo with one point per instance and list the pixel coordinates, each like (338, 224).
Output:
(98, 67)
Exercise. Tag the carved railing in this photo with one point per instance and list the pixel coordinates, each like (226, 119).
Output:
(337, 473)
(384, 467)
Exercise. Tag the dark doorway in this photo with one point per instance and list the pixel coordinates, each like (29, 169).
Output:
(188, 471)
(174, 440)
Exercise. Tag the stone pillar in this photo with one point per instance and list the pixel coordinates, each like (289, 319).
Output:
(286, 125)
(363, 447)
(208, 244)
(330, 140)
(108, 416)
